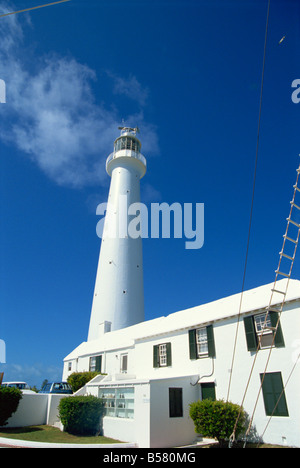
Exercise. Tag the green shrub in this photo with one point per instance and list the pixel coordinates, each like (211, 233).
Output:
(81, 414)
(9, 401)
(216, 419)
(77, 380)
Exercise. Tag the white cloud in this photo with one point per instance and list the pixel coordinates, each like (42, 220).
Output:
(51, 114)
(129, 87)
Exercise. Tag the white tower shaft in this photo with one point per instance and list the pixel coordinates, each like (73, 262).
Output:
(119, 290)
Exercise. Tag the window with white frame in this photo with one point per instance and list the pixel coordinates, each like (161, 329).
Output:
(163, 355)
(263, 331)
(263, 328)
(202, 342)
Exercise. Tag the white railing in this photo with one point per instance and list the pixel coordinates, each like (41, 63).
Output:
(128, 154)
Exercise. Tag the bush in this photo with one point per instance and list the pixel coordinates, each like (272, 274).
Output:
(9, 401)
(80, 414)
(216, 419)
(77, 380)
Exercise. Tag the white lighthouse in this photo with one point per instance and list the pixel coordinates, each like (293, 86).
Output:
(119, 290)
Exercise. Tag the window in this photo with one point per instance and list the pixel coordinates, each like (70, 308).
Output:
(118, 402)
(256, 329)
(175, 403)
(128, 143)
(162, 350)
(201, 340)
(273, 394)
(162, 355)
(69, 366)
(95, 363)
(124, 363)
(202, 343)
(263, 330)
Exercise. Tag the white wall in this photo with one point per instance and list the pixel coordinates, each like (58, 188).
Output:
(35, 410)
(52, 410)
(171, 432)
(111, 362)
(32, 411)
(142, 415)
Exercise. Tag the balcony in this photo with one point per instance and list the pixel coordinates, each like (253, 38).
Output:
(126, 154)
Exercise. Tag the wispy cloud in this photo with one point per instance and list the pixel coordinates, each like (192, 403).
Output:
(51, 113)
(129, 87)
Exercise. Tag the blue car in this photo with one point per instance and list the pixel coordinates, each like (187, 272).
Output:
(57, 387)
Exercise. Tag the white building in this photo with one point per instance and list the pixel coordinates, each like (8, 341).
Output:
(155, 369)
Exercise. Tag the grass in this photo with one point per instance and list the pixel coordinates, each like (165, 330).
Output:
(52, 435)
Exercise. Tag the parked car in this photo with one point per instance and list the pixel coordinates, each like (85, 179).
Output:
(23, 386)
(56, 387)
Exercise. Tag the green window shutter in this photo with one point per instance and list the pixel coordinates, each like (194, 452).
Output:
(279, 341)
(273, 394)
(208, 391)
(155, 356)
(192, 343)
(250, 333)
(211, 341)
(169, 354)
(98, 363)
(175, 403)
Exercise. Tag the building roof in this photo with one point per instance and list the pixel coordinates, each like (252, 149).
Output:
(252, 300)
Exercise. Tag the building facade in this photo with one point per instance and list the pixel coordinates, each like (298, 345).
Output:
(156, 368)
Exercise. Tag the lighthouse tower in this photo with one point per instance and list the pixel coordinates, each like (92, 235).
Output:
(119, 291)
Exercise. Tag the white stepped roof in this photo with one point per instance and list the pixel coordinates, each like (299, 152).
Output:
(254, 299)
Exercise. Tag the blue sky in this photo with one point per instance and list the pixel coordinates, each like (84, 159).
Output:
(188, 74)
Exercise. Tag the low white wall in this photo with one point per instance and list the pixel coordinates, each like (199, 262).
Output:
(52, 412)
(35, 410)
(32, 411)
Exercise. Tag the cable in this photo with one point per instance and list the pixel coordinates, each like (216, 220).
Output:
(34, 8)
(296, 241)
(253, 193)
